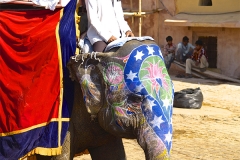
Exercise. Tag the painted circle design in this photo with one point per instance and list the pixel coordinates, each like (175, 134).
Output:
(113, 73)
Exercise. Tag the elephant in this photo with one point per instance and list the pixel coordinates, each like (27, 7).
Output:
(123, 93)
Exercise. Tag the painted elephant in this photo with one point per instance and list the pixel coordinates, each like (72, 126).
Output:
(125, 93)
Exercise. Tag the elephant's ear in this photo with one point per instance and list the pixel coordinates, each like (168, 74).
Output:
(72, 72)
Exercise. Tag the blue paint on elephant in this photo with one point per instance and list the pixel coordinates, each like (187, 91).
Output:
(145, 74)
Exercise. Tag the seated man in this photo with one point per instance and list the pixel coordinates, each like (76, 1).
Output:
(198, 59)
(106, 23)
(184, 50)
(169, 52)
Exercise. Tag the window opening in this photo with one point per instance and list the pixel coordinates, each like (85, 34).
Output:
(205, 2)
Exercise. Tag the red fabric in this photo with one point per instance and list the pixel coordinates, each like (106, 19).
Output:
(29, 68)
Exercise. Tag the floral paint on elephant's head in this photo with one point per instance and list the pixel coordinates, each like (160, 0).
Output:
(113, 73)
(145, 74)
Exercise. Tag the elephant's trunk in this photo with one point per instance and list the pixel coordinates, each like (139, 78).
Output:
(152, 145)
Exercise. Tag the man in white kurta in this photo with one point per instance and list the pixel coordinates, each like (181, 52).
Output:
(106, 22)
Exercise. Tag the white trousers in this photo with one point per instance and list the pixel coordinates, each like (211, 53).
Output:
(191, 63)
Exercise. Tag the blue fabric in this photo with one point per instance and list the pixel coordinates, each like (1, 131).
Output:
(20, 144)
(67, 33)
(65, 126)
(87, 47)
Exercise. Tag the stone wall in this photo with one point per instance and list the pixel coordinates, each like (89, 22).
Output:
(228, 46)
(229, 52)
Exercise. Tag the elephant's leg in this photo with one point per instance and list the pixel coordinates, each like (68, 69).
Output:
(113, 150)
(67, 150)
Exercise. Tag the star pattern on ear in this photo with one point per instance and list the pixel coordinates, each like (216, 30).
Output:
(145, 74)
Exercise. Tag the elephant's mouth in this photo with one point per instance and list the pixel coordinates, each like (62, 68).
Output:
(123, 118)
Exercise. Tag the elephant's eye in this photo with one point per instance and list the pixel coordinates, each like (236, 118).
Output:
(133, 98)
(91, 67)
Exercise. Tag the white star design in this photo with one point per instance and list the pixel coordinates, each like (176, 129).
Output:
(151, 103)
(150, 50)
(139, 55)
(148, 104)
(131, 75)
(139, 88)
(168, 137)
(170, 121)
(166, 103)
(157, 121)
(159, 51)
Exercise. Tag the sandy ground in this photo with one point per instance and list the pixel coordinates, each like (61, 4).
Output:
(209, 133)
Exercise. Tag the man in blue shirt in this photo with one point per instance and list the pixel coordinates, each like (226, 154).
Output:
(184, 50)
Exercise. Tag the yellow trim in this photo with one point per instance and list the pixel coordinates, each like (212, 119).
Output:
(33, 127)
(54, 151)
(43, 151)
(77, 20)
(61, 80)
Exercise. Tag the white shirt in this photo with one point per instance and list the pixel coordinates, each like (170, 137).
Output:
(106, 19)
(185, 48)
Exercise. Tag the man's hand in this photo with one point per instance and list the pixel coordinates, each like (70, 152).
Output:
(129, 34)
(197, 63)
(112, 38)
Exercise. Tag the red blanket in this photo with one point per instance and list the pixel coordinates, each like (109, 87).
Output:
(31, 75)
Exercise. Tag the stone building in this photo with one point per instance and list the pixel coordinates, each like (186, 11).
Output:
(216, 22)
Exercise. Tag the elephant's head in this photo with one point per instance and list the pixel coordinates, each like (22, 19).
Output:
(91, 80)
(131, 92)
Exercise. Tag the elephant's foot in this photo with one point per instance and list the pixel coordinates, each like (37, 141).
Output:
(152, 145)
(110, 151)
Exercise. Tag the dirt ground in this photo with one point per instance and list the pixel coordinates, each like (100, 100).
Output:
(209, 133)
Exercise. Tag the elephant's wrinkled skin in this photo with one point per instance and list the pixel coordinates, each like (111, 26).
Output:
(84, 134)
(116, 110)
